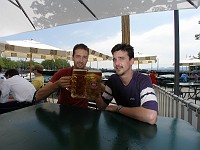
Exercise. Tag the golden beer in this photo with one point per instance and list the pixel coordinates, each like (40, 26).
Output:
(93, 84)
(78, 83)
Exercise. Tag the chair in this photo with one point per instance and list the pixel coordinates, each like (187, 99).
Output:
(14, 105)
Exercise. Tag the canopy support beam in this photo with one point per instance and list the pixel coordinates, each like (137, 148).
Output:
(189, 1)
(22, 9)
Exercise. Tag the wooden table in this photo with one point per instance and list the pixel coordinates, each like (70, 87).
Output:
(50, 126)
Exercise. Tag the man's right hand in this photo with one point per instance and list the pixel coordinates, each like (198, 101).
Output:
(65, 82)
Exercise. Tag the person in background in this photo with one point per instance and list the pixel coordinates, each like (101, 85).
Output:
(132, 91)
(184, 77)
(153, 77)
(61, 80)
(194, 77)
(38, 81)
(15, 91)
(2, 78)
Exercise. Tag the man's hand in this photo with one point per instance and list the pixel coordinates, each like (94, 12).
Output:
(112, 108)
(65, 82)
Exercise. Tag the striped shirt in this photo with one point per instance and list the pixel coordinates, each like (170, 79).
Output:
(139, 92)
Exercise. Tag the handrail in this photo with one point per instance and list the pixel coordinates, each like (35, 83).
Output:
(171, 105)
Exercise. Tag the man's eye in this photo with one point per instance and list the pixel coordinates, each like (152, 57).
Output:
(85, 57)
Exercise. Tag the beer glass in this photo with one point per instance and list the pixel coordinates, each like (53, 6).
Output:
(93, 84)
(78, 83)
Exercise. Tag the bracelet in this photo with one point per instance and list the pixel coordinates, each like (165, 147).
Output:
(118, 108)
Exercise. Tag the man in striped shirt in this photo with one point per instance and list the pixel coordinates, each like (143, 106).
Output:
(132, 91)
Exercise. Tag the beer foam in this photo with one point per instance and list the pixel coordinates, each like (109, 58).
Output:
(94, 71)
(79, 70)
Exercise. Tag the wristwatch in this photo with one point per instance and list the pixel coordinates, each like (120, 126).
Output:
(118, 108)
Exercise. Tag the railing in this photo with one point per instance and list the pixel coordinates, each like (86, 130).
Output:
(170, 105)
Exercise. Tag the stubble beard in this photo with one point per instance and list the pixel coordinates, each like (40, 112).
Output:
(80, 66)
(119, 71)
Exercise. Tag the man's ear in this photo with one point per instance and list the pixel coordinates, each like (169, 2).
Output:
(132, 61)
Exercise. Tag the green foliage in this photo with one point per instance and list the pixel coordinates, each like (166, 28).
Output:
(55, 64)
(7, 63)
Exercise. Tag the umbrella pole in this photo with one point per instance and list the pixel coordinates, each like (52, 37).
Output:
(30, 65)
(125, 29)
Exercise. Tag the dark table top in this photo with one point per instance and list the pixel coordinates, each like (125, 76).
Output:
(53, 127)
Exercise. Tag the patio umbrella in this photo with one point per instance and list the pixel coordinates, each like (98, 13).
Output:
(35, 50)
(30, 49)
(19, 16)
(93, 56)
(190, 62)
(144, 59)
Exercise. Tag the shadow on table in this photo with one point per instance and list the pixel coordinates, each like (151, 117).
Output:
(74, 128)
(128, 133)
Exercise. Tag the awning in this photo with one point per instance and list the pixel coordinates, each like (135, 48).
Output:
(19, 16)
(36, 50)
(24, 48)
(190, 62)
(93, 56)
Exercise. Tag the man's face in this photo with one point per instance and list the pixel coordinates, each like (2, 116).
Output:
(80, 58)
(121, 62)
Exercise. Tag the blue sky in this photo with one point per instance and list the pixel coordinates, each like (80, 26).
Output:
(151, 34)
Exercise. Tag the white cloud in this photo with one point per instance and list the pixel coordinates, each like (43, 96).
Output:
(158, 41)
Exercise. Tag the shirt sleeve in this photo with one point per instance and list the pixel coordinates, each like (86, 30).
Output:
(5, 91)
(147, 94)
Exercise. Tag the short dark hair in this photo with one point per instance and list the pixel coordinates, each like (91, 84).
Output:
(124, 47)
(80, 46)
(11, 73)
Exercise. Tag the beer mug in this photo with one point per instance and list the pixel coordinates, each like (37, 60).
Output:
(93, 84)
(78, 83)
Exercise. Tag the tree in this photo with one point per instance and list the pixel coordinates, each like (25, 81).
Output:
(24, 65)
(7, 63)
(55, 64)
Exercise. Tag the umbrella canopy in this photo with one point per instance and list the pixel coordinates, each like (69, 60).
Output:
(30, 49)
(144, 59)
(190, 62)
(93, 56)
(33, 49)
(27, 15)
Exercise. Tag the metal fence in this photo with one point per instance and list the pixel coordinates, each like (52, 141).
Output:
(170, 105)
